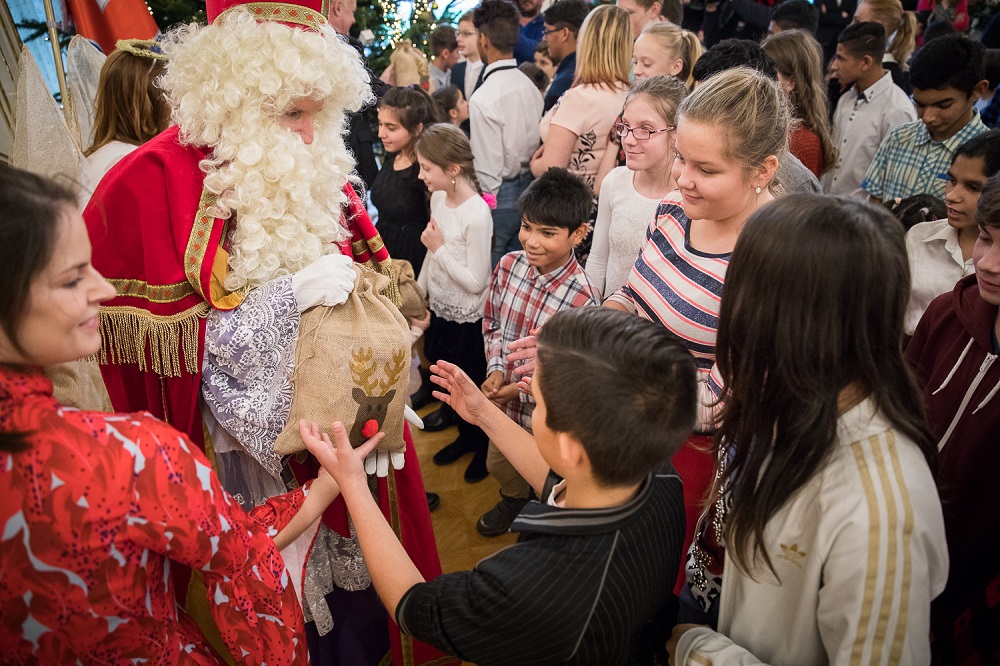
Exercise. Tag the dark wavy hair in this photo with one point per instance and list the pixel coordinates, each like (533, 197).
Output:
(32, 208)
(813, 304)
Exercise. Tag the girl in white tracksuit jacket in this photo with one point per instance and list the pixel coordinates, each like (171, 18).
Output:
(829, 515)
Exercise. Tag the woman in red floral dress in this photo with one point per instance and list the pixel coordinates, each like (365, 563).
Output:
(97, 510)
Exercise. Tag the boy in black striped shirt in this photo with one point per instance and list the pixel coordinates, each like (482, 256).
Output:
(598, 556)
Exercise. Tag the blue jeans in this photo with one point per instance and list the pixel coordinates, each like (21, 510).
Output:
(506, 219)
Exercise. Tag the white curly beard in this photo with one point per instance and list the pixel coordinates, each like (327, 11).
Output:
(286, 197)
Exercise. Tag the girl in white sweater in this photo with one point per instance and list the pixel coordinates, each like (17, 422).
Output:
(630, 194)
(825, 501)
(456, 272)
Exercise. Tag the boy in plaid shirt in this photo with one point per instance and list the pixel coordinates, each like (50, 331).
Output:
(948, 79)
(527, 288)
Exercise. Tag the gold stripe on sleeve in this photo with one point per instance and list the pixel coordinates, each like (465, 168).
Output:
(899, 636)
(871, 574)
(889, 583)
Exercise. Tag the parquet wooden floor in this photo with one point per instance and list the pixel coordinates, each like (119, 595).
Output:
(459, 544)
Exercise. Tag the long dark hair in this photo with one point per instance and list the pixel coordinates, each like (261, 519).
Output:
(813, 304)
(32, 208)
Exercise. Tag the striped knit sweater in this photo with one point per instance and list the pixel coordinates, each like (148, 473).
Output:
(675, 285)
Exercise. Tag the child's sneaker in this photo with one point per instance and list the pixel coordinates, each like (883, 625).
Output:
(498, 520)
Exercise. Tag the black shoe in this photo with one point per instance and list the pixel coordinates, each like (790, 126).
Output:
(453, 451)
(476, 471)
(433, 501)
(498, 520)
(440, 419)
(422, 397)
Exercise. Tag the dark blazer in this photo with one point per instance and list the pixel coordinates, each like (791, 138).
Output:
(458, 78)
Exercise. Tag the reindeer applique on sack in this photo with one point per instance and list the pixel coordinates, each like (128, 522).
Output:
(352, 366)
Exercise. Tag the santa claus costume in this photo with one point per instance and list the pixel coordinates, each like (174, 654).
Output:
(208, 233)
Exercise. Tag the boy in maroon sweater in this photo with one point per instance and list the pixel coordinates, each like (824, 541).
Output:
(954, 353)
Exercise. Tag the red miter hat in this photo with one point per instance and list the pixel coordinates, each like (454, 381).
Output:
(309, 14)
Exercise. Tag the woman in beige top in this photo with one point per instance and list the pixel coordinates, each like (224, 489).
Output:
(575, 131)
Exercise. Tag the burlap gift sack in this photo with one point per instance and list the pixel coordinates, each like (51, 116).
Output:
(414, 299)
(352, 365)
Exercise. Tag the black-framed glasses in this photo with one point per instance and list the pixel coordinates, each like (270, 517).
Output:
(640, 133)
(546, 32)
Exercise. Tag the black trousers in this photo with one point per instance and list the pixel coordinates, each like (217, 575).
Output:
(461, 344)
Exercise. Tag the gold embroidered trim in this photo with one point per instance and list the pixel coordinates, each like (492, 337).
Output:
(143, 48)
(127, 332)
(154, 293)
(201, 232)
(282, 12)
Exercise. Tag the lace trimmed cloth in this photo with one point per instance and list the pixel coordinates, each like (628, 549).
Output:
(249, 359)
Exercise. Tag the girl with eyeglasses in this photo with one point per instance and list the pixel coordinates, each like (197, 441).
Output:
(631, 193)
(730, 131)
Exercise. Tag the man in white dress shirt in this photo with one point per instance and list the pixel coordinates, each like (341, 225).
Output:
(866, 113)
(504, 113)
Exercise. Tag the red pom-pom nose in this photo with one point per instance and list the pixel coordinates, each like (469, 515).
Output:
(370, 428)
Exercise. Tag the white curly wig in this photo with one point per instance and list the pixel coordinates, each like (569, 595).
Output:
(228, 84)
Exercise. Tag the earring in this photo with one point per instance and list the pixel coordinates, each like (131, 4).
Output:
(453, 185)
(757, 190)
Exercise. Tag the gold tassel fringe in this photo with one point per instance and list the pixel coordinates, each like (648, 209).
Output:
(392, 291)
(127, 332)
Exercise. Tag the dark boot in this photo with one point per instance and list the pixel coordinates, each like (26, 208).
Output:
(440, 419)
(498, 520)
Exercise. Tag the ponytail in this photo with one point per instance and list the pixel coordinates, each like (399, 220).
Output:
(691, 50)
(904, 41)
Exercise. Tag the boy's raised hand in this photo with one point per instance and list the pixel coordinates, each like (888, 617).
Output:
(460, 393)
(344, 463)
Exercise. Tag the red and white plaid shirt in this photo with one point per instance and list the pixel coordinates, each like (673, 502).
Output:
(521, 299)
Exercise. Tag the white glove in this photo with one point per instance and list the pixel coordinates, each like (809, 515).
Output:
(377, 462)
(327, 281)
(412, 418)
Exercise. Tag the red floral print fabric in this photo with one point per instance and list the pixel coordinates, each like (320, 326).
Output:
(93, 515)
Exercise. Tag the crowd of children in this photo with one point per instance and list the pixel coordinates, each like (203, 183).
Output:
(754, 422)
(821, 105)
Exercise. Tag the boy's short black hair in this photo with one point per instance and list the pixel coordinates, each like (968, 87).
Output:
(796, 15)
(991, 67)
(731, 53)
(952, 61)
(988, 208)
(864, 39)
(672, 11)
(625, 387)
(985, 146)
(499, 21)
(567, 13)
(441, 38)
(557, 198)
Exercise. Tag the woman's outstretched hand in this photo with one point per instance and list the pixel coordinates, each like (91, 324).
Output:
(460, 392)
(344, 463)
(524, 349)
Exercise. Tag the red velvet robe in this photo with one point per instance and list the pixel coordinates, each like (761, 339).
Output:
(155, 240)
